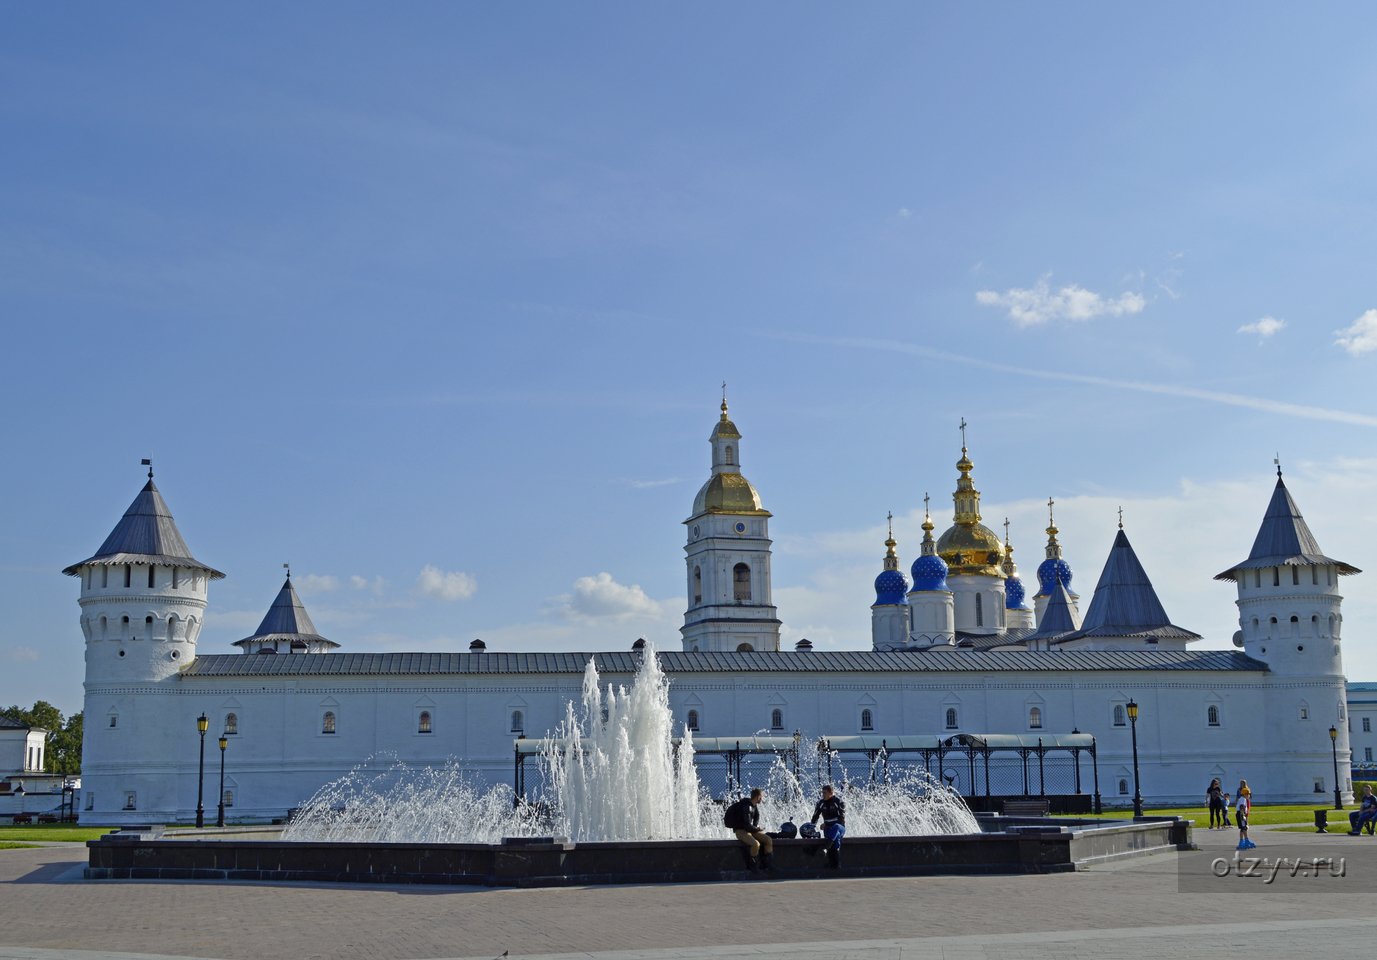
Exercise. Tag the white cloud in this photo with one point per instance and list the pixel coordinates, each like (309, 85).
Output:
(1360, 336)
(318, 583)
(905, 213)
(1264, 328)
(602, 598)
(357, 582)
(651, 484)
(24, 655)
(1039, 304)
(442, 585)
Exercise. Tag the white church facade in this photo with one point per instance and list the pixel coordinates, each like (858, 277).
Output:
(957, 650)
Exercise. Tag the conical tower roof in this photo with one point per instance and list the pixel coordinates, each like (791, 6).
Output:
(145, 534)
(287, 620)
(1284, 539)
(1125, 603)
(1059, 619)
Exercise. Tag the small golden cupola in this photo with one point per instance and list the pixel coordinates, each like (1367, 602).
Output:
(727, 491)
(969, 547)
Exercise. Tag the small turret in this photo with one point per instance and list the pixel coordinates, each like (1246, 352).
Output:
(973, 555)
(889, 624)
(1018, 615)
(1053, 570)
(287, 627)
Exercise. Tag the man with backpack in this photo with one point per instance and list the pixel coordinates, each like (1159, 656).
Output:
(743, 817)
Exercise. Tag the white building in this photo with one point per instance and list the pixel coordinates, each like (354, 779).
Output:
(958, 652)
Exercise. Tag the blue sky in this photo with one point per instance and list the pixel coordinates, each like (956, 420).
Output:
(435, 302)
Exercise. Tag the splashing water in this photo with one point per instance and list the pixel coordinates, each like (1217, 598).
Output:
(611, 771)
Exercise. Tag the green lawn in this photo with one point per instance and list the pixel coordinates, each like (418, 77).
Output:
(11, 845)
(53, 831)
(1262, 815)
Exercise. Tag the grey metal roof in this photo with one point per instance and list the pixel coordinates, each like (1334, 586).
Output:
(1284, 539)
(286, 619)
(988, 641)
(618, 662)
(1059, 617)
(145, 534)
(1125, 604)
(7, 724)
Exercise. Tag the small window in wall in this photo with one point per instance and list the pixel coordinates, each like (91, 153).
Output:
(1341, 711)
(741, 583)
(730, 454)
(1319, 784)
(128, 573)
(867, 720)
(105, 576)
(692, 723)
(1257, 578)
(1123, 787)
(1276, 576)
(423, 722)
(1212, 715)
(90, 800)
(327, 722)
(114, 720)
(174, 578)
(697, 585)
(951, 718)
(1315, 576)
(1119, 720)
(1295, 576)
(1034, 718)
(231, 724)
(979, 610)
(1367, 724)
(131, 800)
(152, 571)
(744, 648)
(776, 719)
(1367, 754)
(518, 722)
(228, 798)
(1305, 713)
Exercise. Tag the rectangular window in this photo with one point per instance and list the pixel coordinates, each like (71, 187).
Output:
(1367, 754)
(90, 800)
(174, 578)
(105, 576)
(1367, 724)
(152, 570)
(229, 798)
(128, 573)
(131, 800)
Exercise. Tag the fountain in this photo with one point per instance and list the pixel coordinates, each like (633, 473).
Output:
(619, 801)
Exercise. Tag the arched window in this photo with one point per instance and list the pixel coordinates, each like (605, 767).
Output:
(741, 583)
(1123, 787)
(423, 722)
(114, 720)
(231, 724)
(1119, 715)
(951, 718)
(1341, 711)
(518, 722)
(1035, 718)
(729, 454)
(776, 719)
(693, 720)
(979, 610)
(1304, 712)
(229, 797)
(867, 720)
(104, 626)
(744, 648)
(697, 585)
(327, 722)
(1212, 715)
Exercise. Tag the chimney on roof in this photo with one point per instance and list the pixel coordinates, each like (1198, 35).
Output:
(639, 644)
(804, 646)
(478, 646)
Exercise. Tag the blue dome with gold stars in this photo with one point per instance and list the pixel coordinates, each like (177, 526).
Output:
(891, 586)
(929, 573)
(1054, 570)
(1014, 594)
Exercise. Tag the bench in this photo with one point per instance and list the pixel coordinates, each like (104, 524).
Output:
(22, 818)
(1026, 808)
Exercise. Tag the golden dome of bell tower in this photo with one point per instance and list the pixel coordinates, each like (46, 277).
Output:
(969, 547)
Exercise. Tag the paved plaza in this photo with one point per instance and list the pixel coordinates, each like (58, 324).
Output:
(1138, 908)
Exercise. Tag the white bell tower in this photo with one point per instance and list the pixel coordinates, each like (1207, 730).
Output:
(728, 556)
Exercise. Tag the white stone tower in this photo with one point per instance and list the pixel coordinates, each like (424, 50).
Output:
(143, 599)
(889, 623)
(932, 612)
(1290, 619)
(728, 557)
(973, 555)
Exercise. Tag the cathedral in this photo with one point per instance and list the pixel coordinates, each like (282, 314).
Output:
(955, 651)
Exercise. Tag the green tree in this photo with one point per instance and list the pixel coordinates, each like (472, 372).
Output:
(62, 738)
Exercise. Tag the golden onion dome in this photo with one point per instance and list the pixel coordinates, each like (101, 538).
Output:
(728, 493)
(971, 549)
(725, 429)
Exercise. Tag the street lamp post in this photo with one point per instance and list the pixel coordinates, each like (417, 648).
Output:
(1133, 726)
(1334, 749)
(220, 817)
(202, 723)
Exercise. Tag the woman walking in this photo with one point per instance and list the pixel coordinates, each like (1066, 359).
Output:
(1214, 799)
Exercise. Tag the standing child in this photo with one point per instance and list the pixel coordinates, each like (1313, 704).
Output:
(1226, 811)
(1241, 810)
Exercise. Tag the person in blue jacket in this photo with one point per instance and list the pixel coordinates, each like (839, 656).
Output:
(831, 809)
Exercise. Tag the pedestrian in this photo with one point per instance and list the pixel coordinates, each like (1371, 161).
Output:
(831, 809)
(1214, 799)
(1242, 807)
(1227, 822)
(743, 817)
(1365, 815)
